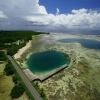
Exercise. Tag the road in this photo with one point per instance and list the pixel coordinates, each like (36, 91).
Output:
(25, 79)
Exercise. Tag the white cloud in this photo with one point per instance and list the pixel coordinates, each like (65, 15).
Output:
(2, 15)
(81, 19)
(80, 11)
(28, 14)
(42, 10)
(21, 7)
(58, 11)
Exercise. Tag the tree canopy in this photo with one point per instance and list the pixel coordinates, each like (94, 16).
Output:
(9, 70)
(17, 90)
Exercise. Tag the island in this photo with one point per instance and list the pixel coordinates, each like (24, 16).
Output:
(56, 65)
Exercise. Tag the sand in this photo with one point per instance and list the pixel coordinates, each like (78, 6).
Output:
(23, 50)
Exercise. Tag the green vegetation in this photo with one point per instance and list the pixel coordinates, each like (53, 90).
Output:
(2, 56)
(15, 78)
(9, 70)
(40, 90)
(28, 92)
(14, 40)
(12, 36)
(6, 84)
(17, 90)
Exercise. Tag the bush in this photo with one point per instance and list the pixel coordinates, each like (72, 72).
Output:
(9, 69)
(2, 56)
(17, 91)
(15, 78)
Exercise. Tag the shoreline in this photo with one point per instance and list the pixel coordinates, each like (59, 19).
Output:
(21, 51)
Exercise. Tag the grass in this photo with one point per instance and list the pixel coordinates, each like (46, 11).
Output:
(6, 84)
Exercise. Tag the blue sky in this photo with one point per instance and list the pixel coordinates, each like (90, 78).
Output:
(66, 6)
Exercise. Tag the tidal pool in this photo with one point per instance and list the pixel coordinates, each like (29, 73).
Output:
(88, 43)
(47, 61)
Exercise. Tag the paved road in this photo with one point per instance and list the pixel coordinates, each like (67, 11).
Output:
(26, 81)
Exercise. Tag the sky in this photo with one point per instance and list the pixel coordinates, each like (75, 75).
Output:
(66, 6)
(50, 15)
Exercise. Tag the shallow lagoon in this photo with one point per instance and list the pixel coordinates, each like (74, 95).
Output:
(47, 61)
(88, 43)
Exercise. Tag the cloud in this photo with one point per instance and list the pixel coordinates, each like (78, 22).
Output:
(28, 14)
(77, 19)
(80, 11)
(21, 7)
(58, 11)
(2, 15)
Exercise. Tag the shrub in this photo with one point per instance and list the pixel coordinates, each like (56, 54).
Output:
(17, 90)
(15, 78)
(9, 69)
(2, 56)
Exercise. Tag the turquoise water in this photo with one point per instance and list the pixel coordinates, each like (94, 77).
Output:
(47, 61)
(92, 44)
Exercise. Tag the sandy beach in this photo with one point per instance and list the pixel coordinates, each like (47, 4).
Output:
(23, 50)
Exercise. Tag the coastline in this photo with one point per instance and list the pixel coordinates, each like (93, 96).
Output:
(21, 51)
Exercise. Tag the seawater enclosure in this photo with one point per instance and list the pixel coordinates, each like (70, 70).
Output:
(47, 61)
(43, 57)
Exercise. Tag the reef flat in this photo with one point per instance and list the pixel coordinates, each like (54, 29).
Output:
(81, 80)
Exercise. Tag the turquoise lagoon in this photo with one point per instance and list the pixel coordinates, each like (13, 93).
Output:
(47, 61)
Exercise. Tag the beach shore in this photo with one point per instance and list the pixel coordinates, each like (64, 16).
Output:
(23, 50)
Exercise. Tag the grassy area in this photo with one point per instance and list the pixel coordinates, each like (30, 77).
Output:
(6, 84)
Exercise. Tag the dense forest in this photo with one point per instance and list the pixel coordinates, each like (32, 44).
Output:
(8, 39)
